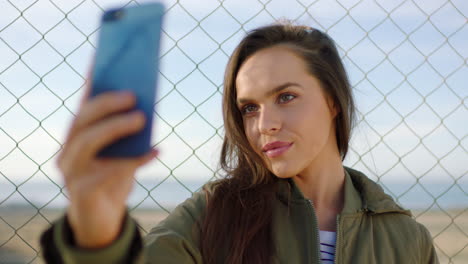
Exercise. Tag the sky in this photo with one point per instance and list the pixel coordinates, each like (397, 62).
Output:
(407, 63)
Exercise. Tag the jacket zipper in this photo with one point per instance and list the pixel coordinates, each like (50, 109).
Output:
(311, 204)
(364, 210)
(337, 238)
(318, 238)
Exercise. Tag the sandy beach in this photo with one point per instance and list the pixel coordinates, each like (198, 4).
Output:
(449, 229)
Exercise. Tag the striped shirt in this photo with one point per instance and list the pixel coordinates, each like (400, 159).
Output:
(327, 247)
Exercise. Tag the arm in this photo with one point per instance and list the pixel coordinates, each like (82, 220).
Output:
(176, 239)
(173, 240)
(59, 246)
(429, 254)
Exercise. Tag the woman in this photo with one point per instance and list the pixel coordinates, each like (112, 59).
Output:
(288, 111)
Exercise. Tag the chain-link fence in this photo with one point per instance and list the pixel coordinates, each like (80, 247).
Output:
(407, 62)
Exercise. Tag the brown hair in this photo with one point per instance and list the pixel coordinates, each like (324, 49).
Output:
(239, 211)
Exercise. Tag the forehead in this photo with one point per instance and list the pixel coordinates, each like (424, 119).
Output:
(269, 68)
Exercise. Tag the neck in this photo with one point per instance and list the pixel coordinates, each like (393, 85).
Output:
(323, 182)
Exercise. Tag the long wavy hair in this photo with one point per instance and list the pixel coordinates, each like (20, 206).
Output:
(236, 227)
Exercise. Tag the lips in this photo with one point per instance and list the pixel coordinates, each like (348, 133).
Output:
(276, 148)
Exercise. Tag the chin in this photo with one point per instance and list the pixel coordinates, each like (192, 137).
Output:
(282, 173)
(283, 176)
(281, 168)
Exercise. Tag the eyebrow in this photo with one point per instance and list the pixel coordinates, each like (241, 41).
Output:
(277, 89)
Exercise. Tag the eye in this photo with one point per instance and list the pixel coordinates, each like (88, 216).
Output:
(248, 109)
(286, 97)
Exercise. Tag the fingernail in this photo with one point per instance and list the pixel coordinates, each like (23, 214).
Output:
(136, 116)
(155, 152)
(125, 96)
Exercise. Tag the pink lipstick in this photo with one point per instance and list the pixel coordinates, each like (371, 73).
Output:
(275, 149)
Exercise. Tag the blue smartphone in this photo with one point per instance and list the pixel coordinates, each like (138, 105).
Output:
(127, 60)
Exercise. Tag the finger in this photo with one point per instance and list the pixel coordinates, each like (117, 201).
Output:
(84, 98)
(120, 180)
(129, 164)
(134, 161)
(140, 161)
(99, 107)
(86, 144)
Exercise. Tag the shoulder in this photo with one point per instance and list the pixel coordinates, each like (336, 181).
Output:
(425, 242)
(373, 196)
(400, 223)
(176, 239)
(405, 233)
(185, 220)
(387, 217)
(189, 212)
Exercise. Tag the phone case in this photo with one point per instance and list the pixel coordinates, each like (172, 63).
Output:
(127, 59)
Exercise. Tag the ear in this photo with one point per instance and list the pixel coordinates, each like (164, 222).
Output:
(333, 107)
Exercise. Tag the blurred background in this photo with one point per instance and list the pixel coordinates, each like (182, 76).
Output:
(407, 62)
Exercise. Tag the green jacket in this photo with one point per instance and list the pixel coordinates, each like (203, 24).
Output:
(371, 228)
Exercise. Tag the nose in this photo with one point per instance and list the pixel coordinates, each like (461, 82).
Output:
(269, 122)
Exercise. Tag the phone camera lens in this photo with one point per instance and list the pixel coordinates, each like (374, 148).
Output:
(118, 14)
(113, 15)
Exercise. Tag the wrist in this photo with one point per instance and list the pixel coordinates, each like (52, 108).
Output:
(95, 232)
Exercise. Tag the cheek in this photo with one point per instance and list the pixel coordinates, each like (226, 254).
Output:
(250, 133)
(312, 125)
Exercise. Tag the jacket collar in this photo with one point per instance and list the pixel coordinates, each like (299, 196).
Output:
(361, 194)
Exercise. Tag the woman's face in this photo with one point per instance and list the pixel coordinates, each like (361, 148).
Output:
(287, 118)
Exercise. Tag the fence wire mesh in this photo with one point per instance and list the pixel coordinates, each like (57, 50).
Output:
(407, 61)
